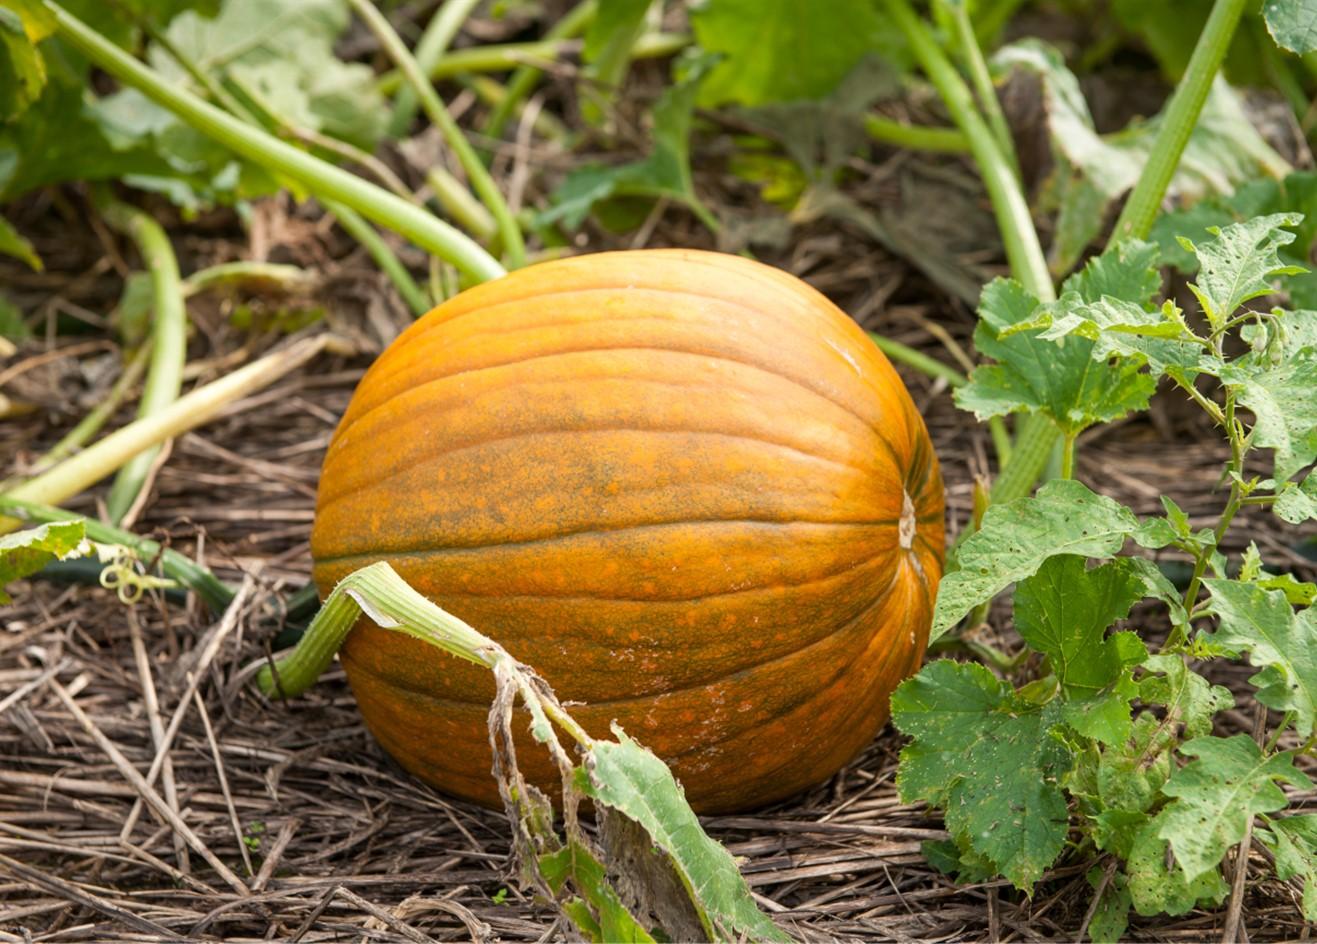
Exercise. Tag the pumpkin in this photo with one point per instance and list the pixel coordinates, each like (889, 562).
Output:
(683, 486)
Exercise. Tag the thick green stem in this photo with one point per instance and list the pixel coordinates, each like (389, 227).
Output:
(214, 592)
(1178, 121)
(508, 230)
(972, 55)
(915, 137)
(493, 94)
(268, 275)
(392, 604)
(523, 80)
(187, 412)
(384, 257)
(164, 376)
(458, 203)
(321, 178)
(438, 36)
(1068, 456)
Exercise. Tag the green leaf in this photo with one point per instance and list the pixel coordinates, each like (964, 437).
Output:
(1059, 380)
(1092, 172)
(1293, 841)
(1156, 888)
(1014, 540)
(22, 67)
(1280, 642)
(1215, 796)
(665, 173)
(1130, 776)
(1127, 271)
(989, 758)
(1111, 915)
(1296, 502)
(772, 51)
(608, 41)
(1283, 406)
(1292, 24)
(1064, 611)
(628, 778)
(26, 552)
(1188, 697)
(1239, 264)
(601, 914)
(13, 243)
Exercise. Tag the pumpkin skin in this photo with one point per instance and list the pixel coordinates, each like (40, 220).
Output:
(681, 485)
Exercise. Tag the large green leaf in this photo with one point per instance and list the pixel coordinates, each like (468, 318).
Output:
(1279, 642)
(989, 758)
(1061, 380)
(26, 552)
(779, 51)
(1014, 540)
(1240, 263)
(629, 779)
(1216, 795)
(1293, 841)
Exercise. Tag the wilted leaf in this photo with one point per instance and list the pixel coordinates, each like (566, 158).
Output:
(629, 779)
(1014, 540)
(26, 552)
(988, 758)
(1216, 795)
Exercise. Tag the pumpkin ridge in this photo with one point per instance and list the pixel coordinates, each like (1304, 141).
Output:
(447, 454)
(850, 624)
(809, 311)
(595, 531)
(878, 433)
(817, 578)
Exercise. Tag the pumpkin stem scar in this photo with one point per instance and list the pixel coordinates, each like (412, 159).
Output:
(906, 532)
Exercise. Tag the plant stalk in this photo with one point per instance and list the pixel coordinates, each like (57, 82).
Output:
(915, 137)
(481, 181)
(1179, 119)
(320, 177)
(523, 80)
(972, 55)
(164, 376)
(438, 36)
(187, 412)
(389, 263)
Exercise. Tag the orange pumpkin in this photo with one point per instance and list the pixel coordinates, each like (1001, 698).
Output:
(682, 485)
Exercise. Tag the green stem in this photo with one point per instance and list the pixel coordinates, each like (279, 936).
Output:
(164, 376)
(438, 36)
(187, 412)
(284, 278)
(476, 172)
(523, 80)
(392, 604)
(384, 257)
(493, 94)
(605, 70)
(972, 55)
(1068, 455)
(458, 203)
(320, 177)
(915, 137)
(91, 424)
(214, 592)
(1178, 121)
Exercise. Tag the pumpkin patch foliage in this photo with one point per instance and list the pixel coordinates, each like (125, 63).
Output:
(1099, 741)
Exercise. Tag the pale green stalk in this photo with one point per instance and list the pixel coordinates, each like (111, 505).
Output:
(523, 80)
(320, 177)
(438, 36)
(384, 256)
(915, 137)
(164, 375)
(481, 181)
